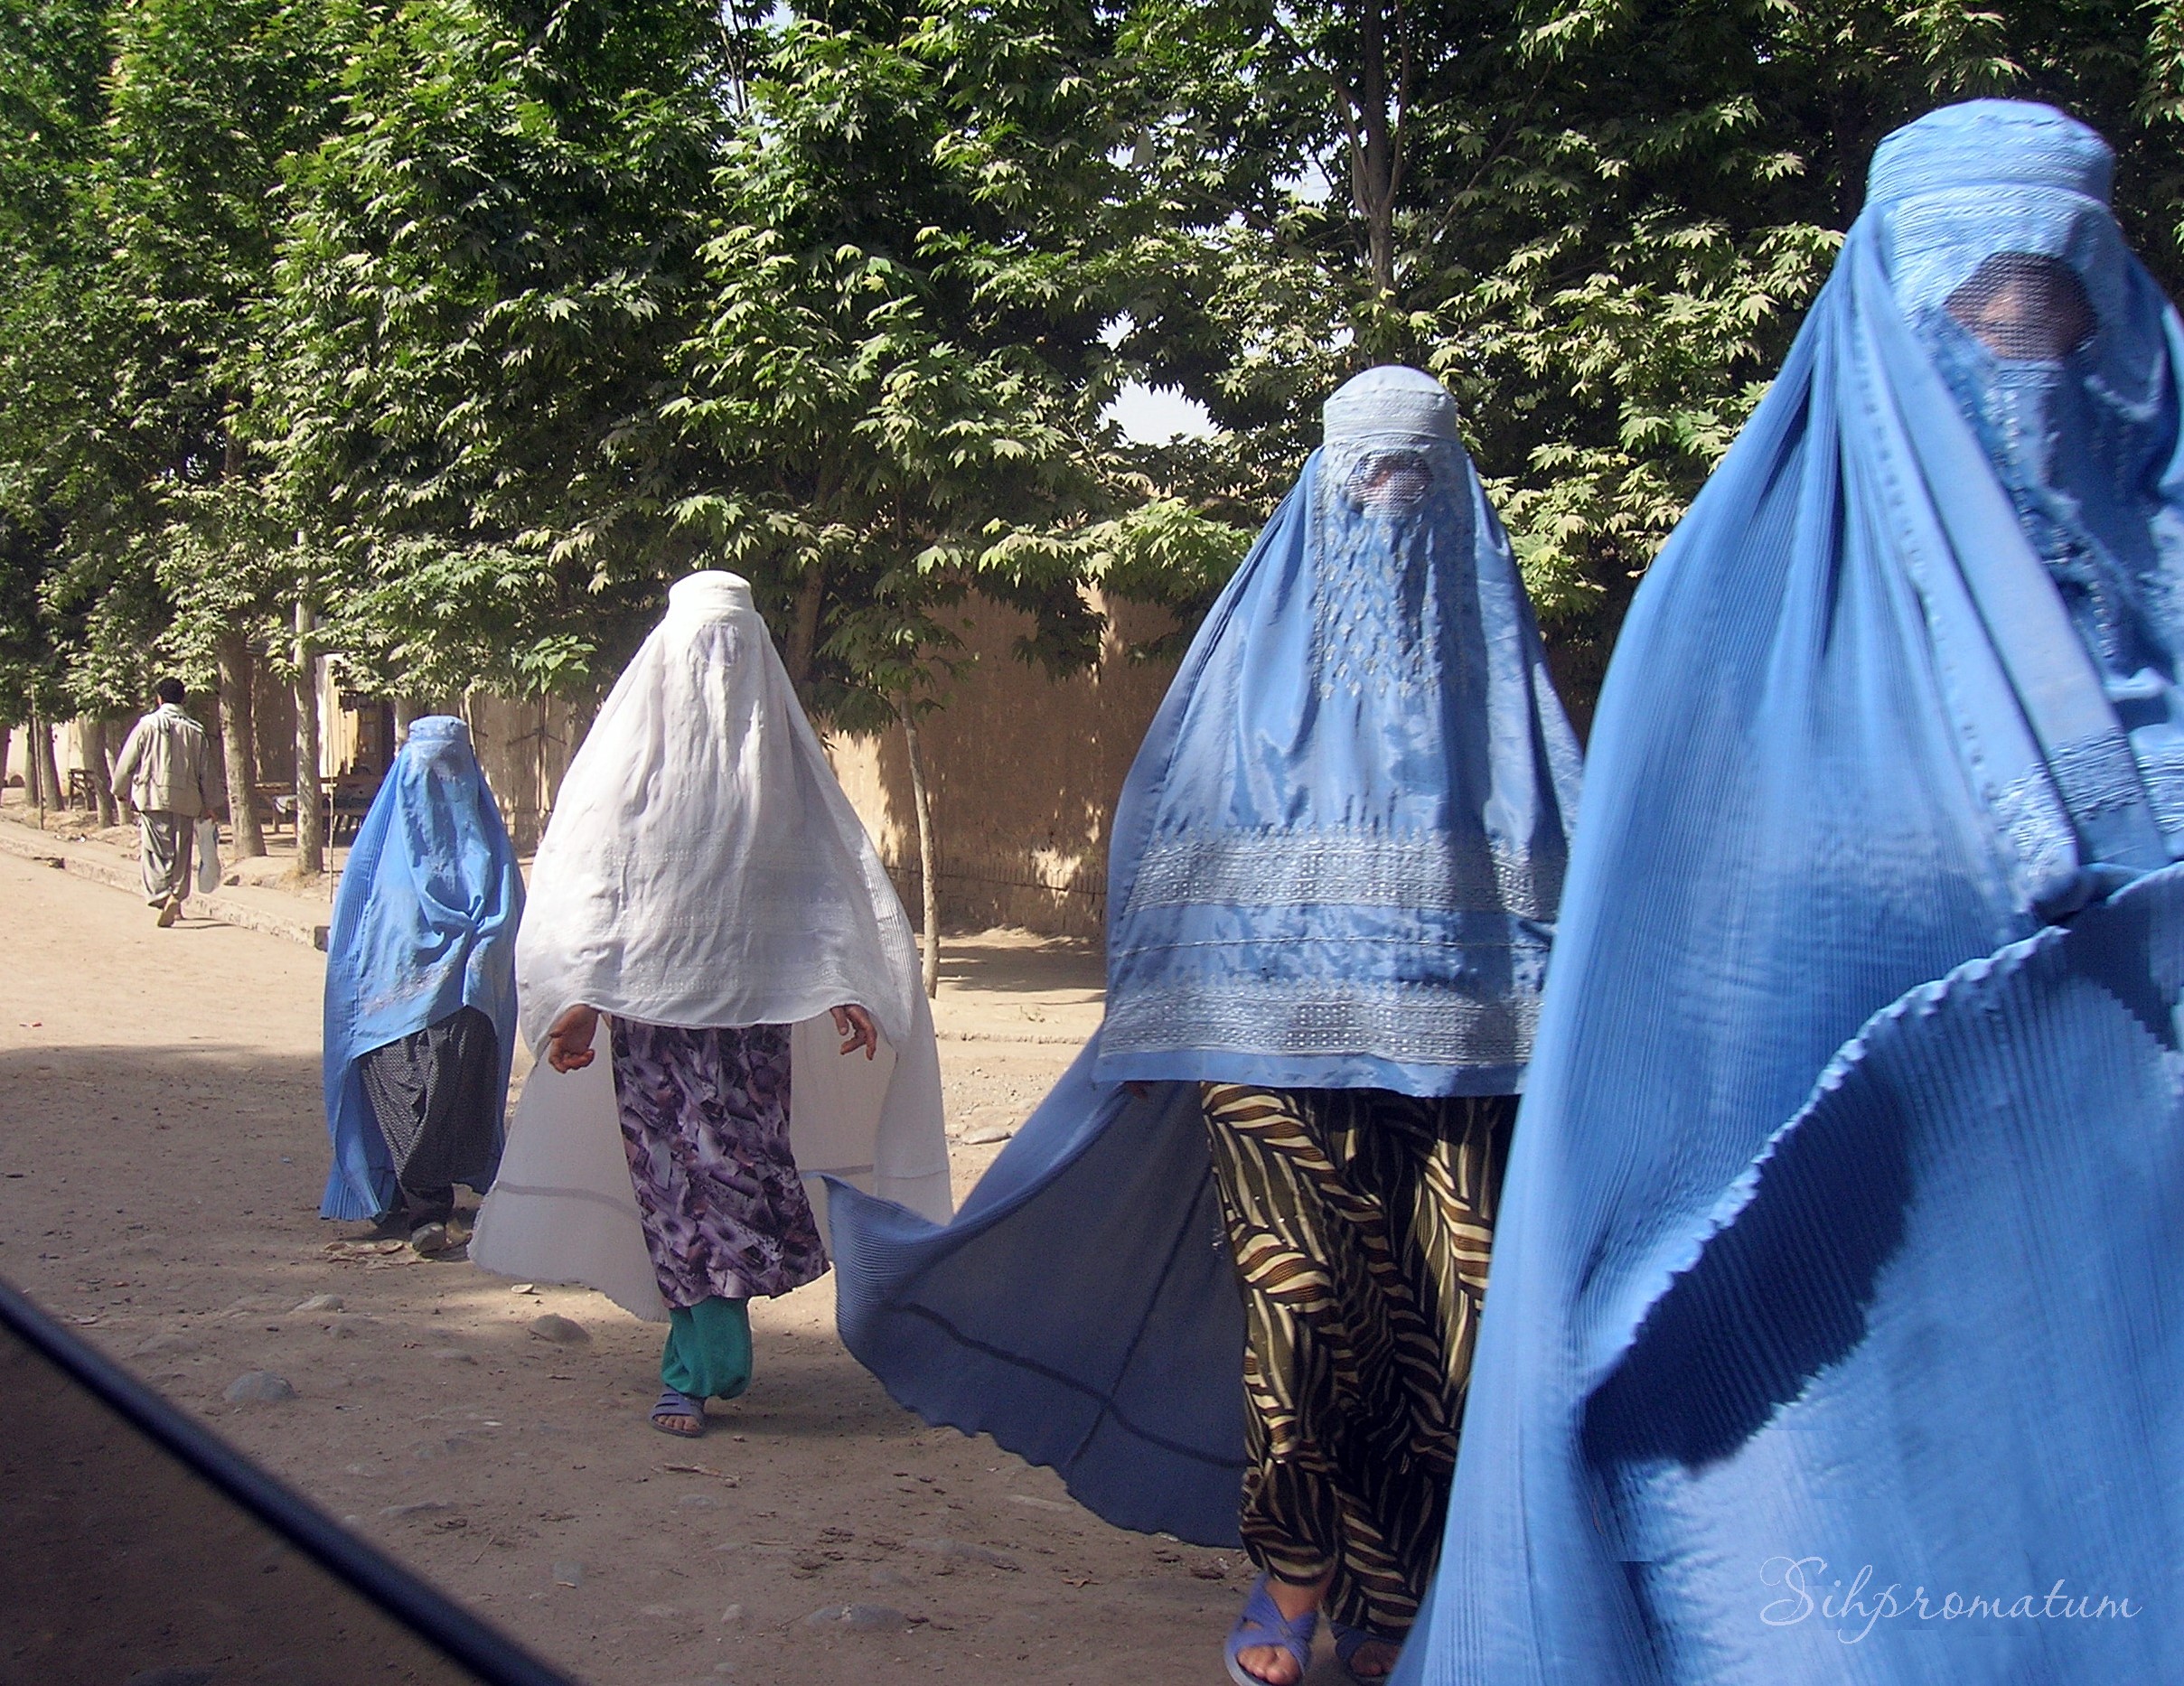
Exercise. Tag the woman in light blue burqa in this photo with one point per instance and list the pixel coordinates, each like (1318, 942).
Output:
(1332, 887)
(1835, 1332)
(421, 993)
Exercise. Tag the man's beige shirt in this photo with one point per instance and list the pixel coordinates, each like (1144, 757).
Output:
(166, 766)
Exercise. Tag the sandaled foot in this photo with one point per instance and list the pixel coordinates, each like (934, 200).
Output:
(389, 1226)
(678, 1414)
(1267, 1648)
(1367, 1656)
(430, 1240)
(170, 911)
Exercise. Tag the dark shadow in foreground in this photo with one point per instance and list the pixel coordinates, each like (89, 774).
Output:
(138, 1548)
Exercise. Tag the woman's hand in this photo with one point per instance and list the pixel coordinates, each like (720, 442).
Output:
(857, 1030)
(568, 1044)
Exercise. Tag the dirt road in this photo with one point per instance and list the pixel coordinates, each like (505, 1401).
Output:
(161, 1158)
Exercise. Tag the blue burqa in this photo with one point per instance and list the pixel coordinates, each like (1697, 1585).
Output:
(1335, 865)
(1834, 1331)
(424, 925)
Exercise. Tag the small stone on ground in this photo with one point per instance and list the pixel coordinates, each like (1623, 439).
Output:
(859, 1618)
(259, 1387)
(964, 1552)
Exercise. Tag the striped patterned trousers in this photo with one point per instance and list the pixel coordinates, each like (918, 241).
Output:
(1362, 1222)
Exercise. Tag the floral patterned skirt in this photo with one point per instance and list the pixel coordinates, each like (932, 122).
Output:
(705, 1121)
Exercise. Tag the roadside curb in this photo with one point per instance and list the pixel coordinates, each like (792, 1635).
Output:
(28, 843)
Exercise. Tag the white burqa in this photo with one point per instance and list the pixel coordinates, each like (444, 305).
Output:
(703, 868)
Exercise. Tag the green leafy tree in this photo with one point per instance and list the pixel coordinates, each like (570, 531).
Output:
(485, 274)
(1600, 219)
(166, 540)
(53, 63)
(890, 397)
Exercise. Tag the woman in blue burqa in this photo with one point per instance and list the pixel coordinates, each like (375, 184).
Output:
(1835, 1331)
(1332, 887)
(421, 993)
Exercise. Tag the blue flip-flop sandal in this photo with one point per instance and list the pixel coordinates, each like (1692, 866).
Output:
(1263, 1623)
(1349, 1642)
(674, 1405)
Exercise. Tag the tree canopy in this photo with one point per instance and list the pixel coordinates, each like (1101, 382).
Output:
(468, 322)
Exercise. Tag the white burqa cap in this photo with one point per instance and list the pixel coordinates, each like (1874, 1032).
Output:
(703, 868)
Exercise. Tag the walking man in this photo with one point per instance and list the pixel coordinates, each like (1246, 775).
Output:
(166, 766)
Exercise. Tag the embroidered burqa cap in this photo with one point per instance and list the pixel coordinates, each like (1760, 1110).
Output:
(1836, 1236)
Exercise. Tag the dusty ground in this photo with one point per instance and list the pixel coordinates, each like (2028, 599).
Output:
(162, 1152)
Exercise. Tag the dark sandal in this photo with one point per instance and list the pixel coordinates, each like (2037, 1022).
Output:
(1263, 1623)
(673, 1407)
(1349, 1641)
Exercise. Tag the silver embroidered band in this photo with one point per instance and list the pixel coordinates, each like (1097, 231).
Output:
(1409, 1024)
(1338, 868)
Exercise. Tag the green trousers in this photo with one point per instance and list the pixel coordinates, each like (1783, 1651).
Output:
(709, 1354)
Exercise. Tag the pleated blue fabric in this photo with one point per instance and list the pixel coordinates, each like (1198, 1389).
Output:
(423, 924)
(1081, 1309)
(1335, 865)
(1833, 1271)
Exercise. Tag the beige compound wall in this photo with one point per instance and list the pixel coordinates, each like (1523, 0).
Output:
(1024, 772)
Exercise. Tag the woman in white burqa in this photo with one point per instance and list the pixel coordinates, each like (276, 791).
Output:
(706, 902)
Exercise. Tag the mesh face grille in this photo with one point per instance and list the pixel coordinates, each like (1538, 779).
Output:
(1389, 480)
(2026, 306)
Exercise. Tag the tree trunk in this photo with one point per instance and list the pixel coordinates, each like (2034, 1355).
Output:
(310, 817)
(928, 872)
(238, 735)
(803, 631)
(42, 745)
(1373, 125)
(33, 775)
(102, 777)
(7, 734)
(123, 805)
(582, 711)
